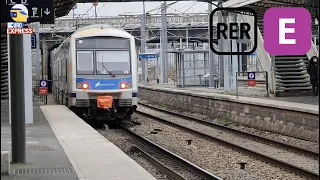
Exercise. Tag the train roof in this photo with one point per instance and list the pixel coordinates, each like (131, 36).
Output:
(115, 31)
(95, 26)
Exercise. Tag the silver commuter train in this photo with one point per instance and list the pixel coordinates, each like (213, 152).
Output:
(96, 69)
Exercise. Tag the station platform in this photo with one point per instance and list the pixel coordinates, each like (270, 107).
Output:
(247, 94)
(293, 116)
(66, 142)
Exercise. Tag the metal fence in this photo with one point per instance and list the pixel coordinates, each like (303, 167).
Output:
(56, 94)
(38, 99)
(260, 81)
(59, 92)
(192, 66)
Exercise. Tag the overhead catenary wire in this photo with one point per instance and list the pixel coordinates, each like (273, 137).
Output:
(87, 11)
(159, 7)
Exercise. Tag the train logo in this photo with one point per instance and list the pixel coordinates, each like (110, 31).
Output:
(19, 13)
(103, 84)
(98, 84)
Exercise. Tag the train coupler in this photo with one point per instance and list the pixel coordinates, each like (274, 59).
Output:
(105, 102)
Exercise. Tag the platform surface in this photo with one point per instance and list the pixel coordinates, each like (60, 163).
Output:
(248, 95)
(91, 154)
(46, 159)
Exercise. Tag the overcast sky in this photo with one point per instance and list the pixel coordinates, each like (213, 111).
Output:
(114, 9)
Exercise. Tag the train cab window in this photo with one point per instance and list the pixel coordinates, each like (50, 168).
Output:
(85, 62)
(116, 62)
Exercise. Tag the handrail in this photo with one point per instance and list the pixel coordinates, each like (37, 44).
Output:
(313, 51)
(264, 58)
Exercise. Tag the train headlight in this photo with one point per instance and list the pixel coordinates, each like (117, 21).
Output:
(125, 85)
(84, 85)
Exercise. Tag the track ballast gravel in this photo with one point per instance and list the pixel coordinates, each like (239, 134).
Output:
(274, 152)
(211, 156)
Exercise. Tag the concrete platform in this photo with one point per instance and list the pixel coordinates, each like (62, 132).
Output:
(46, 159)
(91, 154)
(61, 146)
(286, 116)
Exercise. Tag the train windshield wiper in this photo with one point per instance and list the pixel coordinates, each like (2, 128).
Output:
(107, 69)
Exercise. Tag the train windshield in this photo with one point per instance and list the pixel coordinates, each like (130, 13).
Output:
(113, 62)
(110, 55)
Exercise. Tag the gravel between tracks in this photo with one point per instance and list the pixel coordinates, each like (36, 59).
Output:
(312, 146)
(274, 152)
(211, 156)
(122, 140)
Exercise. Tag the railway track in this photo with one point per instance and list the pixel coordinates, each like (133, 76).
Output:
(308, 157)
(165, 161)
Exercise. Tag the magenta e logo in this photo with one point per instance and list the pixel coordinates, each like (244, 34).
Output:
(287, 31)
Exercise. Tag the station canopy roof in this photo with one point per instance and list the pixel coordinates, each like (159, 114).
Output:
(63, 7)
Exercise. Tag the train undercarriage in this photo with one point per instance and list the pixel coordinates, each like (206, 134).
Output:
(111, 115)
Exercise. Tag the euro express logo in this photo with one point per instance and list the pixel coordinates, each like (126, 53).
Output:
(20, 31)
(287, 31)
(19, 13)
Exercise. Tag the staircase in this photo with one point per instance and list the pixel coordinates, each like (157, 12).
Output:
(315, 33)
(290, 72)
(4, 66)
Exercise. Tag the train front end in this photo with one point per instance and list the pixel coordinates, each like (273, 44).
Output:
(105, 83)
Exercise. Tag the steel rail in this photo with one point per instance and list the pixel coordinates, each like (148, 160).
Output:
(173, 156)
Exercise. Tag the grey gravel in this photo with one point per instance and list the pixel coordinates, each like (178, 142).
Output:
(312, 146)
(211, 156)
(274, 152)
(122, 140)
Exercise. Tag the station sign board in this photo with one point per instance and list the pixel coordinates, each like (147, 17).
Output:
(33, 41)
(251, 78)
(148, 56)
(43, 88)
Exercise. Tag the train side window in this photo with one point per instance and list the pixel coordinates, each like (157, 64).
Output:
(85, 62)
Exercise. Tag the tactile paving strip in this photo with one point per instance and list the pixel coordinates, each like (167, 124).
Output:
(43, 171)
(40, 148)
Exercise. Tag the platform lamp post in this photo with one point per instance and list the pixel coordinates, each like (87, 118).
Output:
(73, 8)
(95, 4)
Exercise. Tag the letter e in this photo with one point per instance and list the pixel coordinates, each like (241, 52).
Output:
(283, 30)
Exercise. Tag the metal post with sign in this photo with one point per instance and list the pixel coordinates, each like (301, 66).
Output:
(251, 78)
(144, 58)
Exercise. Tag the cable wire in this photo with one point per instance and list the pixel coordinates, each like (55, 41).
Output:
(86, 12)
